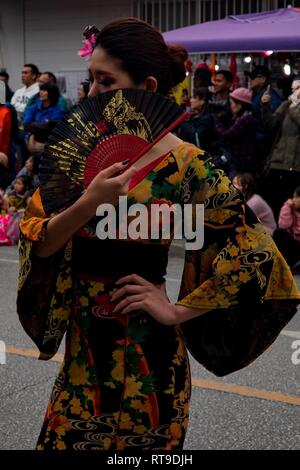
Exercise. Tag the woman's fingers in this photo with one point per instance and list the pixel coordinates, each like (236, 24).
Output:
(126, 176)
(113, 170)
(129, 289)
(133, 307)
(135, 279)
(128, 301)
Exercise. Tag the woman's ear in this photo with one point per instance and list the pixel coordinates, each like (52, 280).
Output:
(151, 84)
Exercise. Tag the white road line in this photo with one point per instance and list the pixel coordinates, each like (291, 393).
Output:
(5, 260)
(291, 334)
(171, 279)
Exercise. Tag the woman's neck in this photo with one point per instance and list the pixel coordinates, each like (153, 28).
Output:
(165, 145)
(46, 104)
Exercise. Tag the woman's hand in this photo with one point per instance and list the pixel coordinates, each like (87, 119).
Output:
(107, 186)
(139, 294)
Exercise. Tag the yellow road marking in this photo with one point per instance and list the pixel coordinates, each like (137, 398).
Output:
(31, 353)
(200, 383)
(246, 391)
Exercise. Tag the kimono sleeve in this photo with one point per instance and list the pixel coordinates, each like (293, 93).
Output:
(239, 276)
(44, 285)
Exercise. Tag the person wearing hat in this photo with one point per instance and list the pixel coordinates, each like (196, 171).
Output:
(239, 138)
(260, 78)
(259, 83)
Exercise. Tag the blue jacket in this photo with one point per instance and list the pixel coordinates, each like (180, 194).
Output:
(36, 113)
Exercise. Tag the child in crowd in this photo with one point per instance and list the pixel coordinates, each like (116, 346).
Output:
(17, 199)
(13, 206)
(245, 183)
(287, 236)
(25, 171)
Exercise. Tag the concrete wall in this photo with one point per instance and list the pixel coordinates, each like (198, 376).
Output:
(12, 39)
(49, 34)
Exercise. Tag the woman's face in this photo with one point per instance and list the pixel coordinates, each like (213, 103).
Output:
(235, 107)
(197, 103)
(44, 95)
(106, 74)
(80, 92)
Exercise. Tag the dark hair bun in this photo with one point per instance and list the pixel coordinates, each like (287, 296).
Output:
(178, 56)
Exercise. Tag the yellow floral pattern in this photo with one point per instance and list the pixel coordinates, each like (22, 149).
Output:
(125, 380)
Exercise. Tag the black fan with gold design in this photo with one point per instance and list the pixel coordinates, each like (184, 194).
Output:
(109, 128)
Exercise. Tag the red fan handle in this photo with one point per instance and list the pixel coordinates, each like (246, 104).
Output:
(159, 137)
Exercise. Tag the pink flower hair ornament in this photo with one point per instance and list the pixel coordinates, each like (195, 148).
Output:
(90, 33)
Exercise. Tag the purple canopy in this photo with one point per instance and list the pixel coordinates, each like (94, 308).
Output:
(277, 30)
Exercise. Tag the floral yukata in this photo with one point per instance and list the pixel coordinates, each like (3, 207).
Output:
(125, 379)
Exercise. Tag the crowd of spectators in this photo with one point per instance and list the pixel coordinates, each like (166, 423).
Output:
(252, 132)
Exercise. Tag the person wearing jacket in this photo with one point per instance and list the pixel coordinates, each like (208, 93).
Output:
(239, 138)
(21, 96)
(46, 108)
(259, 83)
(199, 129)
(287, 236)
(283, 165)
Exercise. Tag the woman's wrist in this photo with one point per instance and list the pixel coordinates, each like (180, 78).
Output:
(87, 206)
(182, 314)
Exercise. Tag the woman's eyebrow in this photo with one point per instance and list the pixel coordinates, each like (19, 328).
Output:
(100, 72)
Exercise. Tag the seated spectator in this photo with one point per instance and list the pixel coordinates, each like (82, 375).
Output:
(287, 236)
(199, 129)
(46, 108)
(83, 91)
(239, 138)
(13, 208)
(245, 183)
(48, 77)
(17, 199)
(29, 170)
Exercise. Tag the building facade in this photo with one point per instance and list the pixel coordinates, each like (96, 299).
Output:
(48, 34)
(170, 14)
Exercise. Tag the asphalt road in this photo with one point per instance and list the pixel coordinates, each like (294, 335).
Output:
(256, 408)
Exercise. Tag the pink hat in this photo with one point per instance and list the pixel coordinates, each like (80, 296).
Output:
(242, 94)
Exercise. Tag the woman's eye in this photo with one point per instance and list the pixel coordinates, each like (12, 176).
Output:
(105, 82)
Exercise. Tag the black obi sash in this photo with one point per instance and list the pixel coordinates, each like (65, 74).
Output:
(117, 258)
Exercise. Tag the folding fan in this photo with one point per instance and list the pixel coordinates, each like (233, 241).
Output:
(109, 128)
